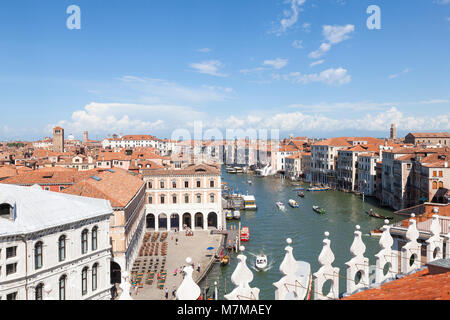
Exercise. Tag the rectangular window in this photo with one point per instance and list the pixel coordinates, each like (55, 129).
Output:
(434, 173)
(162, 200)
(198, 184)
(211, 183)
(11, 296)
(186, 184)
(150, 200)
(186, 199)
(440, 174)
(11, 252)
(11, 268)
(162, 184)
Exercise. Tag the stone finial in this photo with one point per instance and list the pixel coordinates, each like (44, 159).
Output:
(125, 286)
(326, 272)
(386, 256)
(188, 290)
(411, 251)
(241, 278)
(296, 283)
(435, 244)
(358, 266)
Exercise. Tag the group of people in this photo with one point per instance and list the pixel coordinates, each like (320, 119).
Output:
(174, 292)
(181, 269)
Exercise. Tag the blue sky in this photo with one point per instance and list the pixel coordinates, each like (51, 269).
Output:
(306, 67)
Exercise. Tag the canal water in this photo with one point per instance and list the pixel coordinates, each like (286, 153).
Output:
(270, 227)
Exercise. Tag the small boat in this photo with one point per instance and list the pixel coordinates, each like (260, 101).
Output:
(319, 210)
(293, 203)
(238, 170)
(280, 205)
(376, 233)
(301, 194)
(299, 189)
(249, 182)
(261, 262)
(231, 170)
(245, 234)
(229, 215)
(377, 215)
(224, 258)
(313, 189)
(249, 202)
(236, 215)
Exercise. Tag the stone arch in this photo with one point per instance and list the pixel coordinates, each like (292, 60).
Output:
(175, 221)
(187, 220)
(150, 221)
(116, 273)
(198, 220)
(162, 221)
(212, 220)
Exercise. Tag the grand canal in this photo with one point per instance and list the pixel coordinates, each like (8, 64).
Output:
(270, 227)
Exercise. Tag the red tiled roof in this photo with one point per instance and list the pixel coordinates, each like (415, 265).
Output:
(119, 187)
(418, 286)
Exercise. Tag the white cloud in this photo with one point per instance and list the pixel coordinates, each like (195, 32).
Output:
(396, 75)
(204, 50)
(278, 63)
(333, 35)
(290, 16)
(298, 44)
(209, 67)
(296, 121)
(330, 76)
(442, 1)
(306, 27)
(316, 63)
(127, 117)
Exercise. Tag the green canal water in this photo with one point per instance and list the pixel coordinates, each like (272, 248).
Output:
(270, 227)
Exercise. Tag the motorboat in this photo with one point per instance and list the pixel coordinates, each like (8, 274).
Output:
(237, 215)
(249, 182)
(293, 203)
(245, 234)
(231, 170)
(249, 202)
(229, 215)
(280, 205)
(261, 262)
(301, 194)
(315, 189)
(239, 169)
(319, 210)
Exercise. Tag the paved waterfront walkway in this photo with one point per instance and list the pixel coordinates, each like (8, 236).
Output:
(194, 247)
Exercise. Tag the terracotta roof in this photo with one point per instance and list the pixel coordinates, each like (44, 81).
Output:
(118, 186)
(418, 286)
(430, 134)
(47, 176)
(7, 171)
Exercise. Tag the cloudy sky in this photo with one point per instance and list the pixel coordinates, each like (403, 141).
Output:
(306, 67)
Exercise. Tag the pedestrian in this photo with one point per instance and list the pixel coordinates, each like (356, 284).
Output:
(174, 292)
(176, 241)
(167, 293)
(198, 267)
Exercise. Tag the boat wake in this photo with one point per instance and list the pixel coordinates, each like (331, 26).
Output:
(270, 264)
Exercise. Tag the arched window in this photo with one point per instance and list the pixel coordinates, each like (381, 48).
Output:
(62, 248)
(161, 183)
(38, 255)
(435, 185)
(94, 238)
(211, 198)
(84, 281)
(38, 291)
(84, 241)
(174, 184)
(441, 184)
(62, 287)
(94, 277)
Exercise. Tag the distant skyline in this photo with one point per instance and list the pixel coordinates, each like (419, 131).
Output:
(305, 67)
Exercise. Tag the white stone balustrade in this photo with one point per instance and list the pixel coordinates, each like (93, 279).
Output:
(241, 277)
(326, 273)
(294, 285)
(386, 256)
(358, 266)
(435, 244)
(188, 289)
(411, 251)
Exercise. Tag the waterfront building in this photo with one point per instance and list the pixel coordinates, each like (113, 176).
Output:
(53, 246)
(126, 192)
(184, 198)
(430, 138)
(366, 172)
(131, 141)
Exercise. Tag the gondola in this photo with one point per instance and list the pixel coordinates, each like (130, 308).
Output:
(378, 216)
